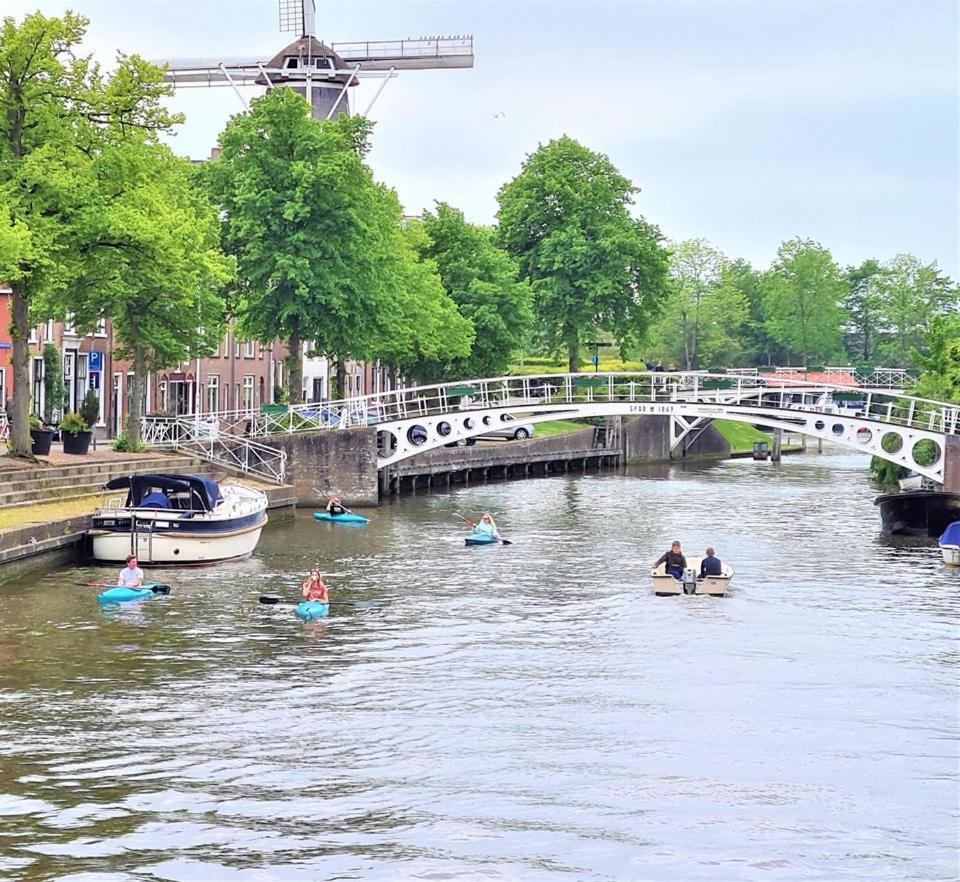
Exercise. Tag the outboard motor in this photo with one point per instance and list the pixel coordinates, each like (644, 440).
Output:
(689, 580)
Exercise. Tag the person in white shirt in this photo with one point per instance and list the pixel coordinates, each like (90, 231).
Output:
(131, 576)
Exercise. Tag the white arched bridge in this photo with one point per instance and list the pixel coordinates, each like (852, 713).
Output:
(909, 431)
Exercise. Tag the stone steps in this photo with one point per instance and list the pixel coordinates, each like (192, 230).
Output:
(59, 483)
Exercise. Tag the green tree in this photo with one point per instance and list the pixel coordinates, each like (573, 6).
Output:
(427, 331)
(593, 267)
(483, 281)
(940, 377)
(801, 292)
(755, 345)
(162, 281)
(862, 305)
(910, 294)
(58, 109)
(314, 235)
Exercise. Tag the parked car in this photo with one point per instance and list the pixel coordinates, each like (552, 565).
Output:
(511, 429)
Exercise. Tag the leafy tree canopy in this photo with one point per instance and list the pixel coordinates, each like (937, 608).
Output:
(482, 280)
(593, 266)
(801, 294)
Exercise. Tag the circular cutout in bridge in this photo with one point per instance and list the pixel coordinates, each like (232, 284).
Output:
(892, 442)
(864, 435)
(837, 428)
(819, 425)
(386, 444)
(469, 423)
(486, 420)
(444, 428)
(417, 435)
(926, 452)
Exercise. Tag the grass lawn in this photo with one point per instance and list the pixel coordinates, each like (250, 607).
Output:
(535, 366)
(556, 427)
(740, 436)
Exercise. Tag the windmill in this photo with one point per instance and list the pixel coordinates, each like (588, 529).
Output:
(322, 73)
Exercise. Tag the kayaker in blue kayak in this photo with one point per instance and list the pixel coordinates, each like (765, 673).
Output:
(131, 576)
(487, 527)
(335, 506)
(312, 588)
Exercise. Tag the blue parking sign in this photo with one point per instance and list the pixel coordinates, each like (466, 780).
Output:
(96, 360)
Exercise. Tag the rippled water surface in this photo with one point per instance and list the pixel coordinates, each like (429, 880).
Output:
(529, 712)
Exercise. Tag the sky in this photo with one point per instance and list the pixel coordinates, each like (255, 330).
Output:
(743, 123)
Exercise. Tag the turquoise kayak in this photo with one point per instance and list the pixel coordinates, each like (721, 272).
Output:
(308, 610)
(121, 595)
(346, 518)
(480, 539)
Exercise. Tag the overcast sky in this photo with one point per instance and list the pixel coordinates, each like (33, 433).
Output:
(744, 123)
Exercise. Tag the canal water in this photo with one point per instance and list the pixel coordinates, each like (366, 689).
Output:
(528, 712)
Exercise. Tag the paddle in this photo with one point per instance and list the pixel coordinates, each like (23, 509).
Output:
(272, 599)
(474, 523)
(156, 589)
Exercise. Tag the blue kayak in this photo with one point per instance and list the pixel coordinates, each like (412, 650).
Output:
(346, 518)
(121, 595)
(480, 539)
(308, 610)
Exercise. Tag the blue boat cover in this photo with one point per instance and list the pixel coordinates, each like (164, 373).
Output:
(204, 492)
(951, 536)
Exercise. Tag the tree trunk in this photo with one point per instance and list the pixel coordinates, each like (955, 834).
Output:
(392, 376)
(295, 366)
(341, 376)
(136, 396)
(20, 417)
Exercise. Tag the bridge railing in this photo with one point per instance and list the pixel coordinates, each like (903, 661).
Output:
(205, 439)
(550, 390)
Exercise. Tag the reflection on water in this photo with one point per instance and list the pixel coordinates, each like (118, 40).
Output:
(528, 712)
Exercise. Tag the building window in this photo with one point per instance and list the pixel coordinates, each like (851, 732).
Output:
(33, 336)
(69, 328)
(213, 393)
(101, 330)
(249, 349)
(216, 352)
(48, 332)
(248, 392)
(161, 394)
(236, 348)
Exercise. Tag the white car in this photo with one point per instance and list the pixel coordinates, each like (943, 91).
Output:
(511, 429)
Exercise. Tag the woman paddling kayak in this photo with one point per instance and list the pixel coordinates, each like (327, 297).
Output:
(487, 527)
(312, 588)
(336, 507)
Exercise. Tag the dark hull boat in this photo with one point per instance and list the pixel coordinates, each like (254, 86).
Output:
(919, 512)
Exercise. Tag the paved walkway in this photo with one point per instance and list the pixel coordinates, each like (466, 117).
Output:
(58, 458)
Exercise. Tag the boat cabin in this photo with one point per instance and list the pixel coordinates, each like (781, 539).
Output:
(172, 492)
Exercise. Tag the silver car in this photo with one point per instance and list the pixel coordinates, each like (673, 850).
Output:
(511, 428)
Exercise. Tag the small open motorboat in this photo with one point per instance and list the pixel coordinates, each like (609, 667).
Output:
(950, 545)
(664, 584)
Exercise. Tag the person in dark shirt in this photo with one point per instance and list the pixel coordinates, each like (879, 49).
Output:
(710, 565)
(675, 561)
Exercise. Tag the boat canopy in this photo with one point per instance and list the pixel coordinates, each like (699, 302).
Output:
(204, 493)
(951, 536)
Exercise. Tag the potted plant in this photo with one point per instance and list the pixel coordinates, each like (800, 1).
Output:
(40, 436)
(75, 434)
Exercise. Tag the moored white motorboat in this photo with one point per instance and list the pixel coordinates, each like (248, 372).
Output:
(178, 519)
(664, 584)
(950, 545)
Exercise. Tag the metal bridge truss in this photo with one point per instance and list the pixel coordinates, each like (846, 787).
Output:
(412, 420)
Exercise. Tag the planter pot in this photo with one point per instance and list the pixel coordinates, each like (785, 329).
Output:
(78, 444)
(41, 441)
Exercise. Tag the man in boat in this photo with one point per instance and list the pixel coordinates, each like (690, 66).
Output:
(675, 561)
(131, 576)
(335, 506)
(710, 565)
